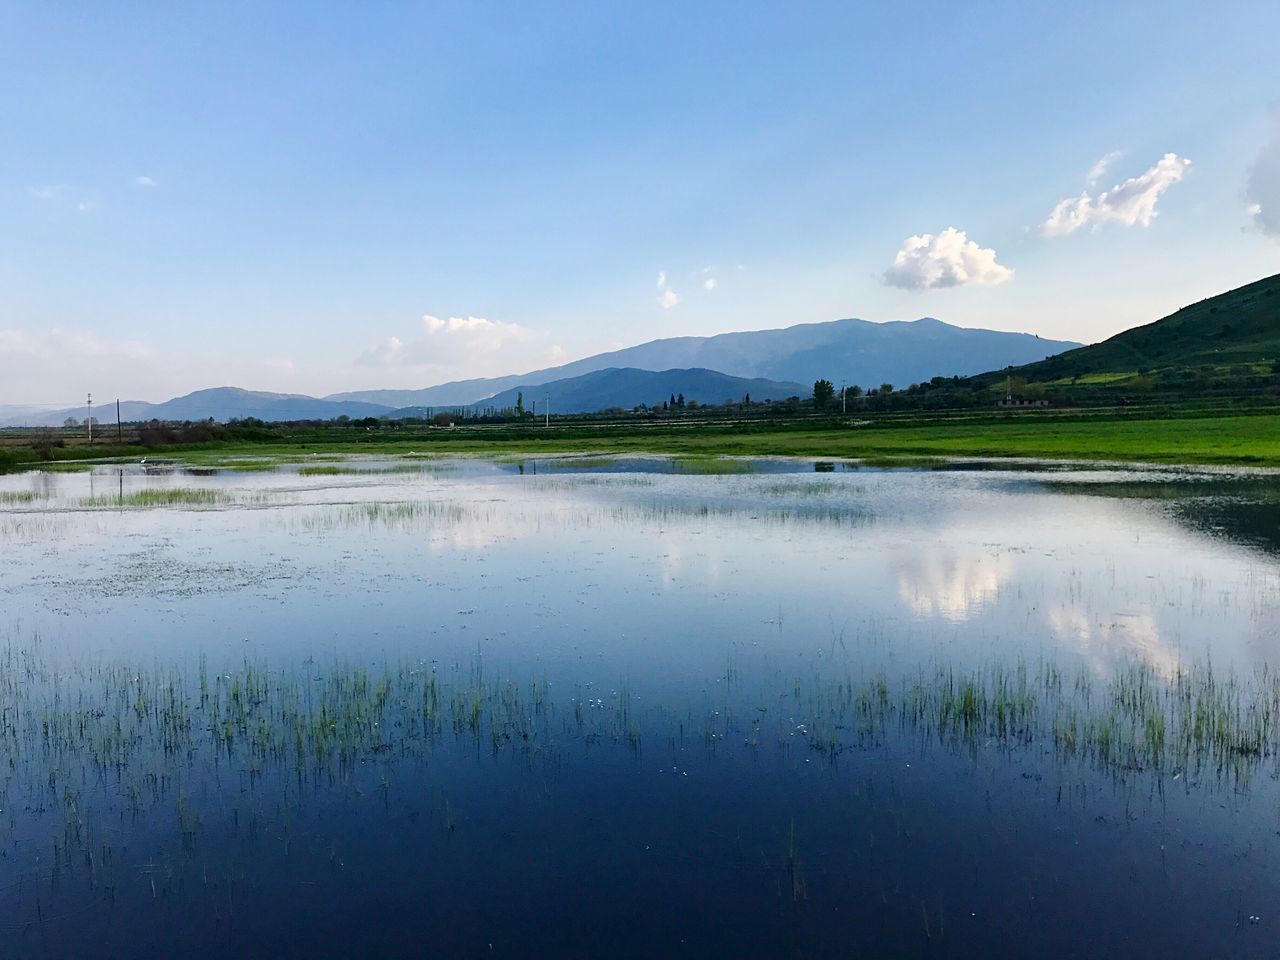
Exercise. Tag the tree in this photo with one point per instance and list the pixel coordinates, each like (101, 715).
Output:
(823, 392)
(854, 391)
(886, 388)
(746, 397)
(519, 403)
(70, 422)
(680, 400)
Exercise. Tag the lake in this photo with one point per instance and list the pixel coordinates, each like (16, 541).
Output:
(636, 707)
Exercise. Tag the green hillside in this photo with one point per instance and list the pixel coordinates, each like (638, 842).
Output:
(1232, 339)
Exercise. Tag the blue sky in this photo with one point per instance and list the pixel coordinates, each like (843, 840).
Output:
(314, 197)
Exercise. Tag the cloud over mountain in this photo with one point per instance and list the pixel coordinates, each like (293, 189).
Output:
(949, 259)
(448, 342)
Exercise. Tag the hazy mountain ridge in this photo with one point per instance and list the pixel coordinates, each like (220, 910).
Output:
(629, 387)
(781, 362)
(220, 403)
(845, 351)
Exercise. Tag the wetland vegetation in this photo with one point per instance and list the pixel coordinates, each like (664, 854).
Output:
(812, 699)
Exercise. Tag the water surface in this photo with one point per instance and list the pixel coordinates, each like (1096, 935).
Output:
(638, 707)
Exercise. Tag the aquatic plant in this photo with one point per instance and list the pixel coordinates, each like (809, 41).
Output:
(15, 497)
(174, 497)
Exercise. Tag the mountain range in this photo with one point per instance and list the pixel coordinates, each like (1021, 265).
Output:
(844, 351)
(768, 364)
(627, 387)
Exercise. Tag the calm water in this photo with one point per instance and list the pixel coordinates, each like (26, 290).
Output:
(638, 708)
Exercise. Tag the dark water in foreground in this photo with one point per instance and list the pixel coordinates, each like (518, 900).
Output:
(638, 709)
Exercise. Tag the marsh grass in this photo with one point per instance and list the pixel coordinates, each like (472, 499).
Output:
(404, 517)
(1198, 721)
(11, 498)
(804, 488)
(902, 462)
(568, 483)
(88, 743)
(581, 463)
(33, 526)
(712, 466)
(177, 497)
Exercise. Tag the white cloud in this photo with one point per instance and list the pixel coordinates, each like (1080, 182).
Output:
(1132, 203)
(475, 334)
(144, 181)
(1097, 171)
(709, 283)
(669, 299)
(949, 259)
(388, 353)
(662, 278)
(458, 347)
(1262, 188)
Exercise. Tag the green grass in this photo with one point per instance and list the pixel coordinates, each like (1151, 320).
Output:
(322, 471)
(1199, 432)
(585, 463)
(1087, 379)
(182, 497)
(369, 471)
(1239, 327)
(712, 466)
(1112, 435)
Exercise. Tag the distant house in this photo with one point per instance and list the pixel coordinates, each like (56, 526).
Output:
(1020, 402)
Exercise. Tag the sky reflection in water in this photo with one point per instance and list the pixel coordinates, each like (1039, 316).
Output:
(691, 624)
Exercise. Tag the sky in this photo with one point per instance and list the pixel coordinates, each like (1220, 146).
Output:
(315, 197)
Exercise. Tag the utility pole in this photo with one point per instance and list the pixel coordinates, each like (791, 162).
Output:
(548, 405)
(89, 420)
(119, 431)
(843, 406)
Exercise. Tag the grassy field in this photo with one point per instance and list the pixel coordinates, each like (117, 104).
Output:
(1246, 440)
